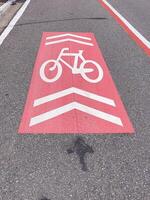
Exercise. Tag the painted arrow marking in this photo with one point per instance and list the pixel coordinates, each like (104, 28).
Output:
(74, 105)
(68, 34)
(74, 90)
(71, 106)
(68, 39)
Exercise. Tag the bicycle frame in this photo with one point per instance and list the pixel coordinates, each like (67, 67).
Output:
(75, 69)
(81, 69)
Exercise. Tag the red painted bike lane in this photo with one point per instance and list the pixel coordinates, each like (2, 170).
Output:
(72, 90)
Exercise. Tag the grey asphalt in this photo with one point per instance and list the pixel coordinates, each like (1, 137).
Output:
(35, 166)
(136, 12)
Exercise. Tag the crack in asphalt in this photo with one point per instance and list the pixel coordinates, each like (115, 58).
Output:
(61, 20)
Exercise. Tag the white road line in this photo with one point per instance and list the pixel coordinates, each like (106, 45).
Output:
(138, 34)
(68, 34)
(12, 23)
(5, 6)
(73, 90)
(68, 40)
(71, 106)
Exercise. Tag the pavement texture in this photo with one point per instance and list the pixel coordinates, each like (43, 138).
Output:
(137, 13)
(8, 14)
(34, 167)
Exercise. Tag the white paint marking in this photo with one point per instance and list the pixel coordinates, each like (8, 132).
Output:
(69, 40)
(74, 90)
(75, 68)
(139, 35)
(68, 34)
(12, 23)
(71, 106)
(5, 6)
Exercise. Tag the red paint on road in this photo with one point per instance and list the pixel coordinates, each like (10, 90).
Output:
(126, 28)
(72, 90)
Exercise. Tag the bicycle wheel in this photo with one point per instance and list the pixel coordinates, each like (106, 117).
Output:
(93, 65)
(51, 65)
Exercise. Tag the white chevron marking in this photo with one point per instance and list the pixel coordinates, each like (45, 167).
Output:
(67, 34)
(74, 90)
(69, 40)
(71, 106)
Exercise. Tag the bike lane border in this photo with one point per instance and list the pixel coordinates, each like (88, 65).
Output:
(133, 33)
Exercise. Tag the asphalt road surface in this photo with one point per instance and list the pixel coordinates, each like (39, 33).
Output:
(137, 13)
(36, 166)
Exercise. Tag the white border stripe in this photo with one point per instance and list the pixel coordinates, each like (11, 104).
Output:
(12, 23)
(141, 37)
(5, 6)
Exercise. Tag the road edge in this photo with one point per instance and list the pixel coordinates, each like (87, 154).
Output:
(14, 20)
(132, 32)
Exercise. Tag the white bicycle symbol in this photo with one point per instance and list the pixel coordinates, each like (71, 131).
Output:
(56, 64)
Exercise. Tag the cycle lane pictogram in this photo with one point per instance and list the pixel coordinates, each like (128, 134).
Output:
(72, 90)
